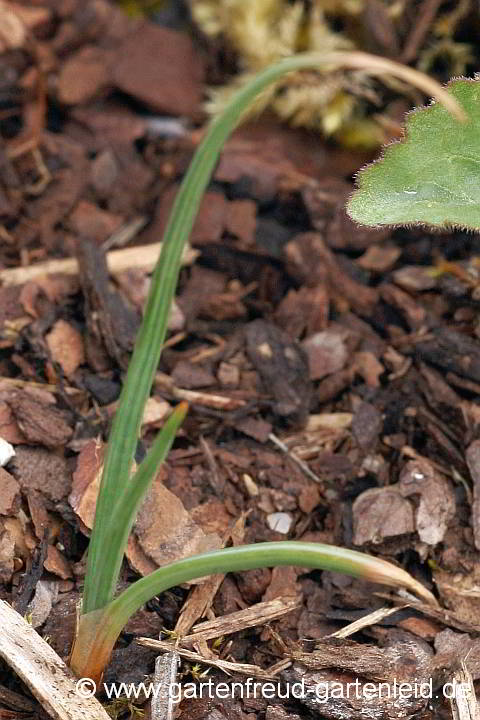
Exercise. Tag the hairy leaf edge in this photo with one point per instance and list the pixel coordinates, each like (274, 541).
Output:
(387, 149)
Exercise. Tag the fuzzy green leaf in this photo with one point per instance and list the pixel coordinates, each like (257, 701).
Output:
(432, 177)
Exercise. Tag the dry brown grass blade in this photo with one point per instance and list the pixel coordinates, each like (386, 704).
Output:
(378, 66)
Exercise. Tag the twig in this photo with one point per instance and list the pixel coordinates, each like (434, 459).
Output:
(118, 261)
(303, 466)
(423, 23)
(370, 619)
(225, 665)
(125, 233)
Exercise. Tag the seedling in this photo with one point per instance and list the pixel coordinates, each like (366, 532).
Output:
(104, 616)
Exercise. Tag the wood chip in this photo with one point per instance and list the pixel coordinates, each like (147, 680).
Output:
(463, 699)
(151, 52)
(473, 462)
(283, 368)
(327, 352)
(143, 256)
(437, 501)
(367, 621)
(83, 75)
(381, 513)
(166, 669)
(66, 347)
(40, 422)
(9, 493)
(255, 616)
(41, 669)
(225, 665)
(171, 534)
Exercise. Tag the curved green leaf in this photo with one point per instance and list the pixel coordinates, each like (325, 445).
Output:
(105, 553)
(432, 177)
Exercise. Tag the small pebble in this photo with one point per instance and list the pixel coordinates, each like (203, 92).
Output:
(280, 522)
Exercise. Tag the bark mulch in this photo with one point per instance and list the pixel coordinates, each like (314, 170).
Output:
(332, 376)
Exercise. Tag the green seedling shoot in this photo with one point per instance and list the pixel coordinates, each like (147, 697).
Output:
(104, 615)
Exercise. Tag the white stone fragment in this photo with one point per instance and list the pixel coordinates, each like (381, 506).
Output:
(6, 452)
(280, 522)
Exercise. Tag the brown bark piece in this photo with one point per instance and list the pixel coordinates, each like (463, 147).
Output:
(311, 262)
(140, 562)
(309, 498)
(381, 513)
(263, 163)
(451, 351)
(368, 367)
(256, 428)
(39, 469)
(159, 67)
(327, 352)
(209, 223)
(406, 656)
(241, 221)
(57, 564)
(110, 320)
(304, 310)
(68, 183)
(437, 500)
(379, 258)
(83, 75)
(414, 278)
(7, 552)
(413, 313)
(283, 583)
(282, 367)
(38, 513)
(473, 462)
(333, 689)
(191, 375)
(88, 220)
(9, 494)
(366, 425)
(41, 423)
(211, 219)
(66, 347)
(86, 481)
(170, 533)
(343, 232)
(111, 124)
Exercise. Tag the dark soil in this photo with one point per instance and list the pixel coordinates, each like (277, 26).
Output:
(291, 324)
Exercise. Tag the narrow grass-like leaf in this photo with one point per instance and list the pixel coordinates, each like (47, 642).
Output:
(122, 518)
(432, 176)
(99, 630)
(102, 573)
